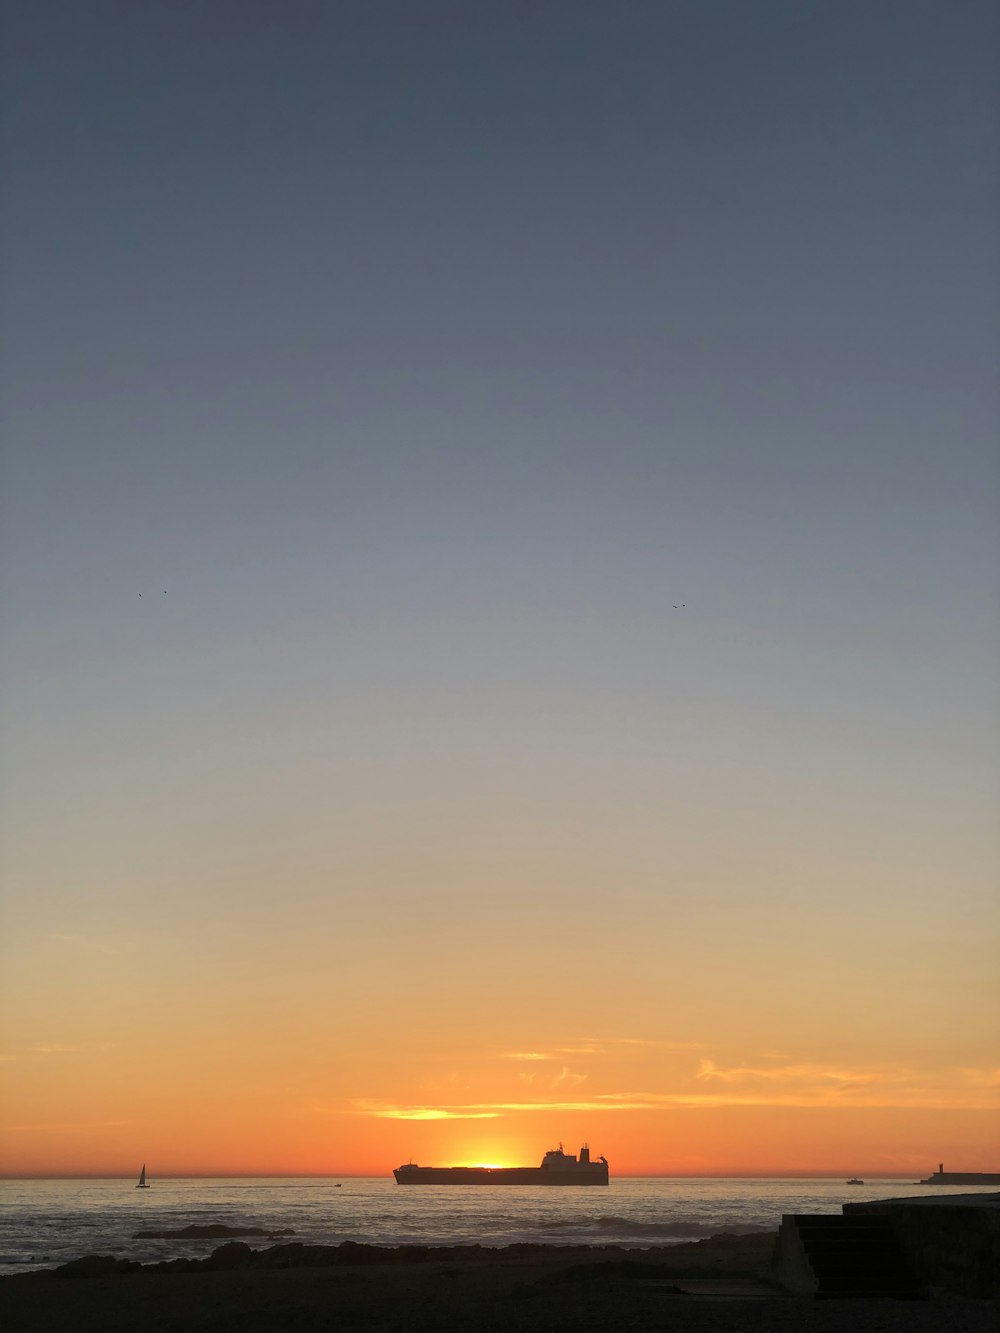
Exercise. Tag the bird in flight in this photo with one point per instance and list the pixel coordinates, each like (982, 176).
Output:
(679, 607)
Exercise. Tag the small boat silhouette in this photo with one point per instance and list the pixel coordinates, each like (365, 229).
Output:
(854, 1181)
(142, 1179)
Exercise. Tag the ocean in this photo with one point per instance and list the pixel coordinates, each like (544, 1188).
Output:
(48, 1222)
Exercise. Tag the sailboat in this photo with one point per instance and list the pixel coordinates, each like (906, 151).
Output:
(142, 1179)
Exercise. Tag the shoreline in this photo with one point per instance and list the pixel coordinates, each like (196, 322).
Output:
(235, 1252)
(720, 1284)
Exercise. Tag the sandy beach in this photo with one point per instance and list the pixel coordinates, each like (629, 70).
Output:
(718, 1284)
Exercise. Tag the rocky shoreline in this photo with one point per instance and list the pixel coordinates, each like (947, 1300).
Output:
(714, 1254)
(714, 1285)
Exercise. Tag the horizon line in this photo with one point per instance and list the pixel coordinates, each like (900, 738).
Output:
(825, 1174)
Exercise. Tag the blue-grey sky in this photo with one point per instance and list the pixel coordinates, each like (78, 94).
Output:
(556, 446)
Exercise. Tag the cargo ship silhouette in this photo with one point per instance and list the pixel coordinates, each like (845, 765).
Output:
(557, 1168)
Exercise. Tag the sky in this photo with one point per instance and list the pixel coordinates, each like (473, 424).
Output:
(499, 565)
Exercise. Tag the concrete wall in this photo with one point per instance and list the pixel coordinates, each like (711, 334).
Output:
(790, 1266)
(952, 1242)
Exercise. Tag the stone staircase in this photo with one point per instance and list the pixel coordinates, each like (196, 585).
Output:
(833, 1255)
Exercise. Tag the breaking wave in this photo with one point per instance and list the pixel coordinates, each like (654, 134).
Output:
(627, 1226)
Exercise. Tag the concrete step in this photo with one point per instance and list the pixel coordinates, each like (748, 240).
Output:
(836, 1256)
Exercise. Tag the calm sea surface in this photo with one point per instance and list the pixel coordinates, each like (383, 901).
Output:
(48, 1222)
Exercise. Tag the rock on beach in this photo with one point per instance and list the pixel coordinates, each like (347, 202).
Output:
(713, 1286)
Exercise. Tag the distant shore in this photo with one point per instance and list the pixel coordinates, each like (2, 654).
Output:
(721, 1284)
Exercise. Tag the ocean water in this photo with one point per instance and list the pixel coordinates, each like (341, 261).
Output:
(48, 1222)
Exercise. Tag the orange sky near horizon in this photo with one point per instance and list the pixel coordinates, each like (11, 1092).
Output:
(461, 1033)
(734, 1141)
(245, 1088)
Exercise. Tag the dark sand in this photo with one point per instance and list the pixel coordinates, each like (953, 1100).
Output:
(718, 1285)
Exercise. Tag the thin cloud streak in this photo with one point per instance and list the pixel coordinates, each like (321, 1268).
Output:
(384, 1112)
(652, 1043)
(605, 1046)
(54, 1048)
(984, 1078)
(803, 1086)
(708, 1071)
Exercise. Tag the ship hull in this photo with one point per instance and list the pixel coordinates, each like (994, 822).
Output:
(593, 1173)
